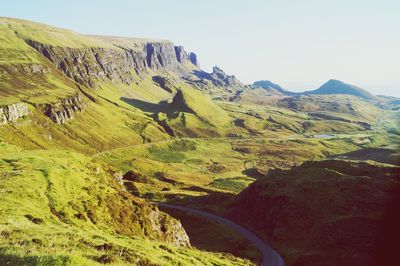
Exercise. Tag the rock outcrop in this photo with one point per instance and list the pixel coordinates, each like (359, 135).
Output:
(182, 56)
(65, 109)
(170, 229)
(221, 78)
(217, 78)
(179, 103)
(25, 69)
(12, 112)
(87, 65)
(193, 59)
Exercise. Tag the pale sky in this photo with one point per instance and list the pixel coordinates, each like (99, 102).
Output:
(298, 44)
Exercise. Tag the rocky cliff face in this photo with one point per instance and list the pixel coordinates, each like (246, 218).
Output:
(182, 56)
(65, 109)
(221, 78)
(87, 65)
(12, 112)
(161, 56)
(193, 59)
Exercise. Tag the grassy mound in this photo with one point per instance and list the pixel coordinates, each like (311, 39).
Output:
(193, 101)
(312, 211)
(191, 113)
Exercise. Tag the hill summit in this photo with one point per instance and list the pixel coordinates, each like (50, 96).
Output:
(334, 86)
(269, 85)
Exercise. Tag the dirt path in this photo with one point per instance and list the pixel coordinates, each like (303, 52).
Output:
(269, 256)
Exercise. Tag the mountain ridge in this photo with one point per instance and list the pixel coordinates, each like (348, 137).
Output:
(93, 129)
(334, 86)
(268, 85)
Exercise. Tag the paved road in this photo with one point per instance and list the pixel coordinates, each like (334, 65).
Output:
(269, 256)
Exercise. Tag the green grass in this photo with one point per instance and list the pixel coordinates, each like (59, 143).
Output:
(203, 107)
(186, 168)
(335, 200)
(51, 35)
(60, 201)
(235, 184)
(52, 212)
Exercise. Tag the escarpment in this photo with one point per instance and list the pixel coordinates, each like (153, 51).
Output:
(65, 109)
(161, 56)
(88, 65)
(12, 112)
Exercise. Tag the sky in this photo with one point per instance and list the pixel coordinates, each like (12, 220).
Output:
(298, 44)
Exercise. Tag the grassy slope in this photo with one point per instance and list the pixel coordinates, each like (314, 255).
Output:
(311, 211)
(51, 35)
(334, 106)
(127, 107)
(189, 168)
(105, 124)
(120, 121)
(192, 113)
(204, 108)
(15, 85)
(56, 214)
(86, 132)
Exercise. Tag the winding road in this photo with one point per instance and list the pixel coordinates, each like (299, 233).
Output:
(269, 256)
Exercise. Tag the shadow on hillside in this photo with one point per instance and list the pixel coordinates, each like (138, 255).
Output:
(143, 105)
(213, 198)
(386, 244)
(253, 173)
(201, 74)
(380, 155)
(199, 189)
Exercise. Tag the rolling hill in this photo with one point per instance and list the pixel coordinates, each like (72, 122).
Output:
(270, 86)
(334, 86)
(312, 211)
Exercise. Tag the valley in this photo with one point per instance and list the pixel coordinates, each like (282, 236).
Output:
(100, 134)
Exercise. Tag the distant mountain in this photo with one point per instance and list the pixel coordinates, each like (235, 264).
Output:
(270, 86)
(389, 102)
(334, 86)
(261, 92)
